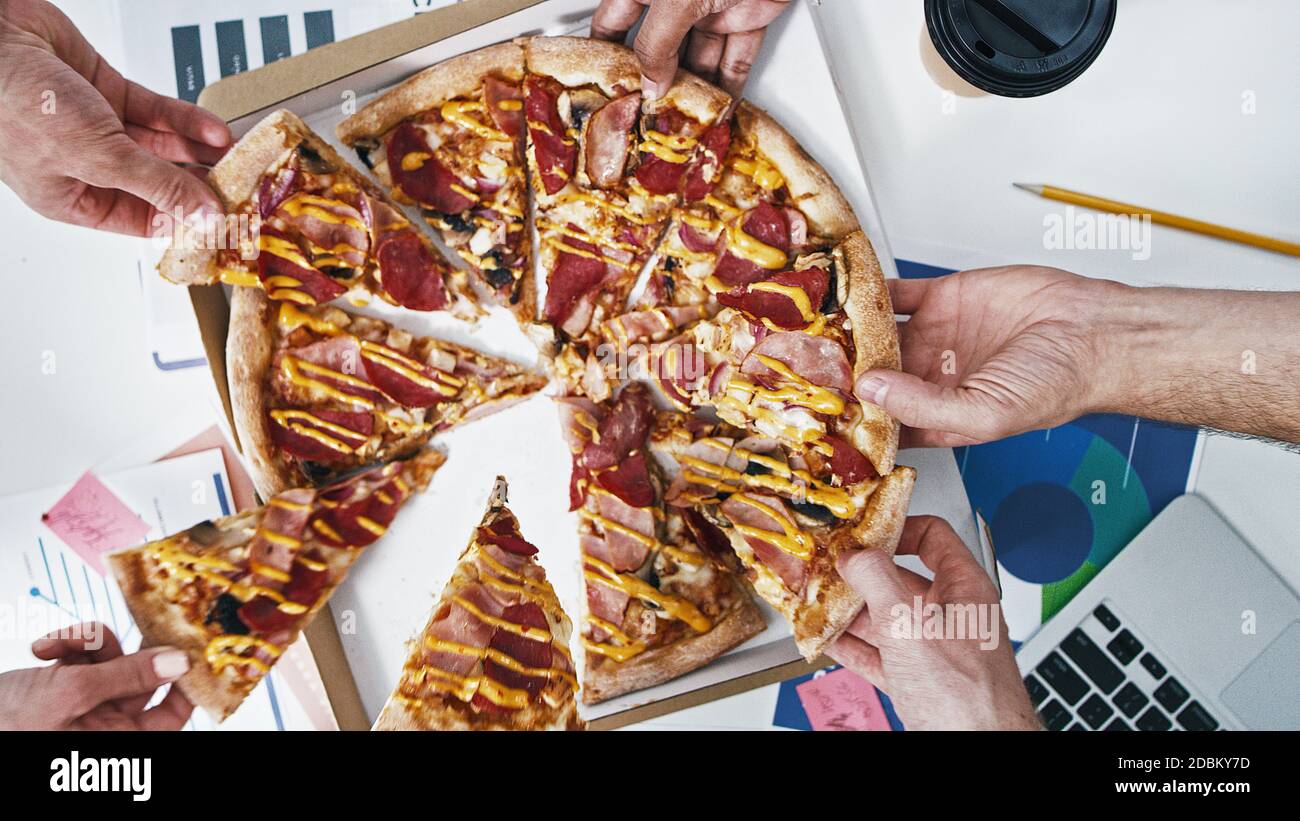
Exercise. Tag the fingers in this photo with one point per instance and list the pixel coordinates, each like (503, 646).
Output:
(657, 43)
(173, 147)
(123, 166)
(924, 405)
(907, 294)
(167, 114)
(81, 688)
(858, 656)
(615, 18)
(873, 575)
(88, 641)
(738, 58)
(169, 714)
(704, 54)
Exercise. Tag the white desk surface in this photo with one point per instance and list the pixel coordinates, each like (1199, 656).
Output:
(1157, 120)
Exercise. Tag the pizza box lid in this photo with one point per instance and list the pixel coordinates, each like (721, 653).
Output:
(359, 643)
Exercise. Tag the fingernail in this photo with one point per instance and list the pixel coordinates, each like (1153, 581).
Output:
(651, 89)
(170, 664)
(872, 389)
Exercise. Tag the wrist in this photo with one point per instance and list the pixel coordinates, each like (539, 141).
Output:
(1129, 331)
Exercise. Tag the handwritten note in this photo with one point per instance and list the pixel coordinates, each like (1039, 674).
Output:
(842, 700)
(92, 521)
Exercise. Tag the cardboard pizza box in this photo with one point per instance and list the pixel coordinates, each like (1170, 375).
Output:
(359, 643)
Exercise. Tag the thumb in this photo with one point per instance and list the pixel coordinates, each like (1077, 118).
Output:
(658, 42)
(124, 165)
(926, 406)
(82, 687)
(873, 575)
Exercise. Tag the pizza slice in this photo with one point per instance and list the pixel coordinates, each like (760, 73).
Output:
(607, 169)
(318, 392)
(450, 140)
(307, 228)
(495, 653)
(661, 598)
(788, 514)
(234, 593)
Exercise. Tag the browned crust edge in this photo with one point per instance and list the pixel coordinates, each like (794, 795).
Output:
(875, 341)
(581, 61)
(249, 348)
(605, 680)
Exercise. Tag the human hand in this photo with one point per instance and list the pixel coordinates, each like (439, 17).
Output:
(81, 144)
(991, 353)
(936, 680)
(93, 686)
(722, 37)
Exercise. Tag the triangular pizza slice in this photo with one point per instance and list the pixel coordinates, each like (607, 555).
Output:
(661, 598)
(308, 228)
(495, 653)
(317, 391)
(607, 169)
(234, 593)
(450, 140)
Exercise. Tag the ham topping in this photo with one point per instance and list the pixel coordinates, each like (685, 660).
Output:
(609, 133)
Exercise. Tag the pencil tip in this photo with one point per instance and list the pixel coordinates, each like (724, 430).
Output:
(1032, 188)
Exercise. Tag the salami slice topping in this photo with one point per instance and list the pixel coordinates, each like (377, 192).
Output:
(402, 379)
(320, 435)
(573, 277)
(623, 429)
(790, 300)
(510, 119)
(555, 153)
(705, 168)
(409, 272)
(530, 653)
(765, 223)
(420, 175)
(847, 462)
(629, 481)
(503, 535)
(286, 274)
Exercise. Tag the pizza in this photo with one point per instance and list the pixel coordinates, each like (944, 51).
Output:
(234, 593)
(495, 653)
(314, 230)
(786, 514)
(450, 141)
(317, 391)
(662, 598)
(607, 170)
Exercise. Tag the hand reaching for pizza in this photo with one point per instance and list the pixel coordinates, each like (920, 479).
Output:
(81, 144)
(999, 351)
(722, 37)
(936, 681)
(93, 686)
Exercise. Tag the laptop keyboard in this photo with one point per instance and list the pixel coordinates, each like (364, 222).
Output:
(1102, 677)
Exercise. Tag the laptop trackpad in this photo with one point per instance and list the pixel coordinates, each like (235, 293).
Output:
(1266, 696)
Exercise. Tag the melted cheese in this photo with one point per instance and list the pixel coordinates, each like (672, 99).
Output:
(668, 147)
(619, 209)
(763, 173)
(782, 480)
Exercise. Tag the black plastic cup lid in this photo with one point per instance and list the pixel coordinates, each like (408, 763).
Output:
(1019, 48)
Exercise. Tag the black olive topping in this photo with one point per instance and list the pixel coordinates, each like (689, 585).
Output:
(315, 472)
(225, 613)
(755, 469)
(814, 512)
(498, 277)
(337, 272)
(670, 287)
(363, 150)
(831, 302)
(453, 222)
(670, 263)
(312, 160)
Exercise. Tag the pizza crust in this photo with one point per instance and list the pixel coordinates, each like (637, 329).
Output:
(875, 342)
(460, 76)
(162, 625)
(249, 349)
(604, 678)
(579, 61)
(811, 189)
(398, 715)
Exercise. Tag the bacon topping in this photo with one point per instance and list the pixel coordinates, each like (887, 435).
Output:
(792, 571)
(819, 360)
(608, 137)
(622, 431)
(429, 182)
(531, 653)
(776, 305)
(555, 153)
(409, 272)
(504, 533)
(335, 229)
(275, 188)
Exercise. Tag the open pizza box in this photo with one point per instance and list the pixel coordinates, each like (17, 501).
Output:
(360, 645)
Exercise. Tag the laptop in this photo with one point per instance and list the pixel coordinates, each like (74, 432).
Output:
(1186, 629)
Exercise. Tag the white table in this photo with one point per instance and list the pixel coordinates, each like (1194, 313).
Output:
(1157, 120)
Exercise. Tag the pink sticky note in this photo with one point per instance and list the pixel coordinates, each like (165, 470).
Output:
(92, 521)
(842, 700)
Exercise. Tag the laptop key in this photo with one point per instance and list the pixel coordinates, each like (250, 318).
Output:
(1054, 715)
(1130, 700)
(1171, 694)
(1117, 726)
(1076, 727)
(1092, 661)
(1154, 721)
(1037, 692)
(1195, 717)
(1108, 619)
(1153, 666)
(1095, 711)
(1060, 676)
(1124, 647)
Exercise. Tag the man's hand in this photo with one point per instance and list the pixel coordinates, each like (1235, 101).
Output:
(936, 682)
(81, 144)
(999, 351)
(93, 686)
(722, 37)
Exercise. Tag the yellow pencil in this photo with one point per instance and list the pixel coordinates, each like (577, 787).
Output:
(1186, 223)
